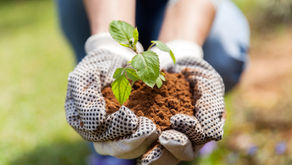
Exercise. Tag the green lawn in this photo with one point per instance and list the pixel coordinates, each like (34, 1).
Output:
(34, 64)
(35, 61)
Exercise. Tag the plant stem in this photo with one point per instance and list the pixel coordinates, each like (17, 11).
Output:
(151, 46)
(135, 49)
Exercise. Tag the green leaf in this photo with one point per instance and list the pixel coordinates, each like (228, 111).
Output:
(172, 56)
(121, 89)
(147, 66)
(136, 36)
(165, 48)
(160, 79)
(131, 74)
(161, 46)
(125, 45)
(121, 31)
(161, 76)
(119, 72)
(159, 82)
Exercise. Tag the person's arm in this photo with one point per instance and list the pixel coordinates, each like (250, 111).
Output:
(102, 12)
(189, 20)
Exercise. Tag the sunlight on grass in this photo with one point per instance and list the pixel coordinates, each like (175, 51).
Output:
(35, 61)
(34, 64)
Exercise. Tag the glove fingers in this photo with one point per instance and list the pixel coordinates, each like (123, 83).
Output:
(198, 68)
(87, 101)
(85, 106)
(189, 125)
(209, 100)
(209, 106)
(122, 122)
(177, 144)
(131, 146)
(103, 63)
(205, 81)
(118, 124)
(157, 155)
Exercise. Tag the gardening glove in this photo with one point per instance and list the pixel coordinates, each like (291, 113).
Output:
(190, 133)
(121, 134)
(180, 48)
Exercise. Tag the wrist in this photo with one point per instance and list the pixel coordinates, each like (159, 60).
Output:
(198, 16)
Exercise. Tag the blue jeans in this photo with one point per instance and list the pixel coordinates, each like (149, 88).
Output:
(225, 48)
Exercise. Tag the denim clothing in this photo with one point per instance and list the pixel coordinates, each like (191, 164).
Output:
(227, 45)
(225, 48)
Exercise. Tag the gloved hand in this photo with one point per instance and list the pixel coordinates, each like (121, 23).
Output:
(190, 133)
(121, 134)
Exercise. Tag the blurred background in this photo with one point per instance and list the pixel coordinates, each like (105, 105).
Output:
(35, 61)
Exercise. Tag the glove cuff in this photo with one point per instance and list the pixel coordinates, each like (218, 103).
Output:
(180, 49)
(105, 41)
(215, 3)
(184, 48)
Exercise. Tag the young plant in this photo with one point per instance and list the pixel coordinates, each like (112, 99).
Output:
(143, 66)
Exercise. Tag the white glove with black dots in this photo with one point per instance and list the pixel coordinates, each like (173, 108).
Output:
(123, 134)
(190, 133)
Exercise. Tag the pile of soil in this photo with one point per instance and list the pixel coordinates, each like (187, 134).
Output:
(158, 104)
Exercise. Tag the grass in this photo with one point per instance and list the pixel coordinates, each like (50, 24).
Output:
(34, 64)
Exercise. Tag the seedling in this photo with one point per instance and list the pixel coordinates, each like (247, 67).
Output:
(143, 66)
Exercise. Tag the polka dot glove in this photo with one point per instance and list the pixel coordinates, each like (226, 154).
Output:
(121, 134)
(190, 133)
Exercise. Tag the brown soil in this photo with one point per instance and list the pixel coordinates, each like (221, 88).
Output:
(159, 105)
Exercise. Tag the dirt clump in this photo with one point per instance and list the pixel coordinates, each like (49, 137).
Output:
(158, 104)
